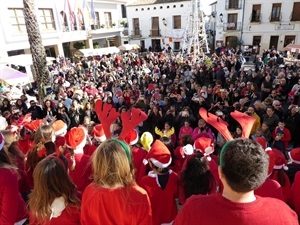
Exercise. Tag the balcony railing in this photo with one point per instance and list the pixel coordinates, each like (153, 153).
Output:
(136, 33)
(255, 18)
(155, 33)
(233, 4)
(275, 17)
(233, 26)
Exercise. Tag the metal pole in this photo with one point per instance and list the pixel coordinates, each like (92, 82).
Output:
(242, 27)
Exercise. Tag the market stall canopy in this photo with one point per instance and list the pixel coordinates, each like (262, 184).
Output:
(12, 76)
(292, 48)
(22, 60)
(128, 47)
(97, 51)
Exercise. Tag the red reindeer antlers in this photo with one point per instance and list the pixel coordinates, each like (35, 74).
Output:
(107, 115)
(130, 120)
(216, 122)
(245, 121)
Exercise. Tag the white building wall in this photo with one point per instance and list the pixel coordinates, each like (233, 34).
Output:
(145, 22)
(11, 41)
(265, 28)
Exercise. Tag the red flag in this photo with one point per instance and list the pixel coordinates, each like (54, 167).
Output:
(72, 17)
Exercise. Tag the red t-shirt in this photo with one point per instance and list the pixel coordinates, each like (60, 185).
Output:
(12, 206)
(164, 208)
(215, 209)
(69, 216)
(120, 206)
(294, 198)
(270, 188)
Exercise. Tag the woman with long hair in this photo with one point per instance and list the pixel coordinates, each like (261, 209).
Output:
(43, 146)
(113, 197)
(196, 178)
(49, 113)
(12, 206)
(53, 200)
(17, 158)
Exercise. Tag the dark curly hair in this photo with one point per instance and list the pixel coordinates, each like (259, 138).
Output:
(244, 164)
(196, 178)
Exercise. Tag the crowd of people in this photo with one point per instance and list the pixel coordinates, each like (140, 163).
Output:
(127, 138)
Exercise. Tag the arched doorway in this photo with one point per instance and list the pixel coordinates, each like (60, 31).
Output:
(64, 22)
(232, 42)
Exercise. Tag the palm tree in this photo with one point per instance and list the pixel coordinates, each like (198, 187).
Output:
(36, 47)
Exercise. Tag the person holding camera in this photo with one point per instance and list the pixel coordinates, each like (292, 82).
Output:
(202, 130)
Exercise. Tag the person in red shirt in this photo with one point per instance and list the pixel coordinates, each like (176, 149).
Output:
(12, 206)
(113, 197)
(281, 138)
(294, 197)
(161, 184)
(79, 164)
(54, 198)
(243, 168)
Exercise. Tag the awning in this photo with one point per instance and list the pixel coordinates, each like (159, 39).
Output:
(97, 51)
(128, 47)
(21, 60)
(292, 48)
(13, 76)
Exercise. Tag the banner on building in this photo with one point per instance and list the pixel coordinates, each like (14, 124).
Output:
(177, 35)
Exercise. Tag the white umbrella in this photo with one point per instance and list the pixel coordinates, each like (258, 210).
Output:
(125, 47)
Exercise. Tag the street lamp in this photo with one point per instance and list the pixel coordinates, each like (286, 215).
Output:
(164, 21)
(221, 17)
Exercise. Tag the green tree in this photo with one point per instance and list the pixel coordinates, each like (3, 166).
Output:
(36, 47)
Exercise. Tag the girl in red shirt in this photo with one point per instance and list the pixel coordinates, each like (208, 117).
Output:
(114, 197)
(54, 199)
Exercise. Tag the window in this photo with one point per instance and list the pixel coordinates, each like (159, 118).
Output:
(97, 21)
(296, 12)
(124, 13)
(17, 20)
(136, 9)
(181, 5)
(177, 22)
(276, 12)
(168, 7)
(174, 6)
(47, 19)
(232, 21)
(136, 27)
(148, 8)
(154, 8)
(108, 20)
(176, 45)
(256, 13)
(161, 7)
(142, 9)
(155, 26)
(233, 4)
(288, 39)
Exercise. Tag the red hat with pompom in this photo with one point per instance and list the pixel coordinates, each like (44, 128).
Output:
(98, 133)
(159, 155)
(76, 138)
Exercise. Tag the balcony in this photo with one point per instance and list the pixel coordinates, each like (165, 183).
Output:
(233, 26)
(155, 33)
(233, 4)
(136, 33)
(275, 17)
(255, 18)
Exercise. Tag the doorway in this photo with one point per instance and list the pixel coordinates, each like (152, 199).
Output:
(156, 45)
(256, 44)
(273, 42)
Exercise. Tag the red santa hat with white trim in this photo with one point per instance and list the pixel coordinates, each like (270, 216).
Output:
(132, 137)
(76, 138)
(280, 160)
(272, 157)
(204, 145)
(295, 155)
(34, 124)
(98, 133)
(60, 128)
(159, 155)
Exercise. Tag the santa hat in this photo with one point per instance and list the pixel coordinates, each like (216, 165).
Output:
(98, 133)
(119, 93)
(76, 138)
(1, 141)
(132, 137)
(295, 155)
(60, 127)
(159, 155)
(33, 125)
(280, 160)
(204, 145)
(262, 141)
(146, 140)
(186, 150)
(271, 155)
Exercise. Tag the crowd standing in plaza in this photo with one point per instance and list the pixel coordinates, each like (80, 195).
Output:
(127, 138)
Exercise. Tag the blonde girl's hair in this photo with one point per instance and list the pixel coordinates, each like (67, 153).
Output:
(51, 181)
(44, 134)
(112, 165)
